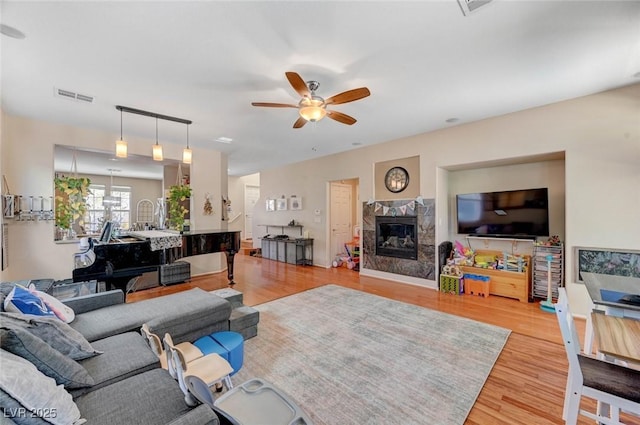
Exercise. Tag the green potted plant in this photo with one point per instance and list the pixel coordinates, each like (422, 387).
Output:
(71, 194)
(178, 205)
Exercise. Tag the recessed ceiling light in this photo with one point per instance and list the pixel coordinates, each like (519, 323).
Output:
(223, 139)
(356, 143)
(11, 32)
(452, 120)
(636, 75)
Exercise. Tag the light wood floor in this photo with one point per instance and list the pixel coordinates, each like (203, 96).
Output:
(526, 385)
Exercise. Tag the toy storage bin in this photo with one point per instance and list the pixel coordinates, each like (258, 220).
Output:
(476, 285)
(451, 284)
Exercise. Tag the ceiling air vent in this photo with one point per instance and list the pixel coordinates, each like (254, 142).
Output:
(68, 94)
(470, 6)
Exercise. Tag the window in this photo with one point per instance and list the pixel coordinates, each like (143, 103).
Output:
(95, 209)
(122, 213)
(98, 212)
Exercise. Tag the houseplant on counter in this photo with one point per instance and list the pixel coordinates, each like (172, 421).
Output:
(71, 194)
(178, 205)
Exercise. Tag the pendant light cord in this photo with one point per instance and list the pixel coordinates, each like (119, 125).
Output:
(156, 130)
(120, 124)
(187, 136)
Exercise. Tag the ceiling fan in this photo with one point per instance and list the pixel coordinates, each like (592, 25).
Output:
(313, 107)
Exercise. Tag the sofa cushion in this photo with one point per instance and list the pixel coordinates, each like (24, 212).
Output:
(151, 398)
(54, 332)
(49, 361)
(122, 356)
(51, 402)
(195, 314)
(182, 315)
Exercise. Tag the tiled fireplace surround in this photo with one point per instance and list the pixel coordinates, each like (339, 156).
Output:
(424, 266)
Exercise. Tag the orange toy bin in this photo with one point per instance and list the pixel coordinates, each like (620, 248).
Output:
(475, 284)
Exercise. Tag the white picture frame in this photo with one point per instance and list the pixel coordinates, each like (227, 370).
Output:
(295, 203)
(271, 204)
(281, 204)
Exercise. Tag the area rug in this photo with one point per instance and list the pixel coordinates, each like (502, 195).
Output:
(348, 357)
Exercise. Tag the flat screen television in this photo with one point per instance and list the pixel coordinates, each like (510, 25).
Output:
(523, 213)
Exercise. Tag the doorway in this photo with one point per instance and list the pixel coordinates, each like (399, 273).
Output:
(342, 217)
(251, 196)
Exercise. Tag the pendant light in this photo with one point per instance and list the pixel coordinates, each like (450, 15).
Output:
(157, 148)
(121, 145)
(186, 152)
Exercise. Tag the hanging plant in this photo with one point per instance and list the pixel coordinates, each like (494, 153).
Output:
(178, 198)
(71, 194)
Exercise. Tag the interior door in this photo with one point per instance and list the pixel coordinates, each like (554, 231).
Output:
(251, 196)
(341, 213)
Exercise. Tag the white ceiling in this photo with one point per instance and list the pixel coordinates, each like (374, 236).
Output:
(424, 62)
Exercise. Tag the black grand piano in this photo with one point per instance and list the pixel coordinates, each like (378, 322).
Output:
(117, 261)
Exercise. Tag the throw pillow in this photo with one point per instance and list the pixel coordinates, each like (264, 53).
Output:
(61, 310)
(49, 401)
(54, 332)
(20, 300)
(51, 362)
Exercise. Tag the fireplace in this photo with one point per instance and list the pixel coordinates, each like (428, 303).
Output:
(397, 237)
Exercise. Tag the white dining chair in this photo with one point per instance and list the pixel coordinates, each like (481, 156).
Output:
(609, 384)
(189, 351)
(209, 369)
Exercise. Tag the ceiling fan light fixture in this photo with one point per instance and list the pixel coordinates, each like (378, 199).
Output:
(312, 109)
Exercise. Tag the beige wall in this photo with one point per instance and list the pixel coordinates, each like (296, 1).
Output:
(412, 165)
(600, 135)
(27, 161)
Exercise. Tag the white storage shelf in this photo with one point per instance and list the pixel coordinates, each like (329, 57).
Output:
(541, 267)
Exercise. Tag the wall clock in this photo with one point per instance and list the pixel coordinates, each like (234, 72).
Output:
(396, 180)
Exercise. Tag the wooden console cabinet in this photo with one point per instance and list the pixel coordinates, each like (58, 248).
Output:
(511, 284)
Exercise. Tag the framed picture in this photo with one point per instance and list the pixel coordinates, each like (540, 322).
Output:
(295, 203)
(271, 204)
(281, 204)
(614, 262)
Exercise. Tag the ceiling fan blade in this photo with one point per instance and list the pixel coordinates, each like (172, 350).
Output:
(340, 117)
(298, 84)
(348, 96)
(299, 123)
(274, 105)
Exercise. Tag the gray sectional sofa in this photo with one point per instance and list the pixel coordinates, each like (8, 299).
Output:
(124, 384)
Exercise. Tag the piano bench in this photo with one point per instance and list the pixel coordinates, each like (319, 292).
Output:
(179, 271)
